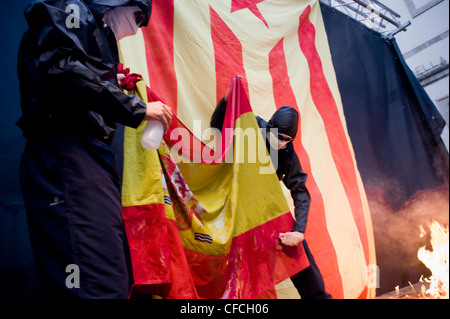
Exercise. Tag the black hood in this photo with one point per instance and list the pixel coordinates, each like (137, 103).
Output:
(285, 119)
(100, 7)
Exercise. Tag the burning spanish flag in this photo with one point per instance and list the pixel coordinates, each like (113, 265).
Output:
(187, 55)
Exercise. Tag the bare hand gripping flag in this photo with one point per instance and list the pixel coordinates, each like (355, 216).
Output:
(188, 55)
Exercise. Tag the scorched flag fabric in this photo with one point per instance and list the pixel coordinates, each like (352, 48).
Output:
(188, 55)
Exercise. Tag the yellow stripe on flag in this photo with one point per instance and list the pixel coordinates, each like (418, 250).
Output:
(142, 183)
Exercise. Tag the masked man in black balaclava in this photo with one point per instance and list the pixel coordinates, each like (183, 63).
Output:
(71, 101)
(280, 131)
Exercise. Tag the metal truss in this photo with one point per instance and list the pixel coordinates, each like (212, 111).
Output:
(372, 14)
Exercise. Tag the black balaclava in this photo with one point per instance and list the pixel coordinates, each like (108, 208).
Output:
(285, 119)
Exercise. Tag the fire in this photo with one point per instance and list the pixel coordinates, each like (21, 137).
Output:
(437, 261)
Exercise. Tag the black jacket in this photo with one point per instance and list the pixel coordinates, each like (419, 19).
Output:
(68, 74)
(288, 166)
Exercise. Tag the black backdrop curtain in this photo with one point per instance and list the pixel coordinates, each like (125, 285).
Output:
(17, 270)
(395, 130)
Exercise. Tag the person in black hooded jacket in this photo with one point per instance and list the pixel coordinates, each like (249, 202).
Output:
(71, 102)
(280, 131)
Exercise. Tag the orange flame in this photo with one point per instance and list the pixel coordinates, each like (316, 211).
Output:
(437, 261)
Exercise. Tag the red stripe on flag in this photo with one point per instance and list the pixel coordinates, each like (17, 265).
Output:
(191, 146)
(156, 252)
(325, 256)
(258, 261)
(228, 54)
(326, 105)
(162, 266)
(158, 38)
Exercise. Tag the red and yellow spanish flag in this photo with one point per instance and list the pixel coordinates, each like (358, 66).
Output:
(187, 55)
(207, 230)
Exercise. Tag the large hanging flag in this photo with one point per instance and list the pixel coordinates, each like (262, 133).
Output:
(188, 54)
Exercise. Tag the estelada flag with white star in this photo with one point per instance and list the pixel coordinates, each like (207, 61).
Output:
(188, 54)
